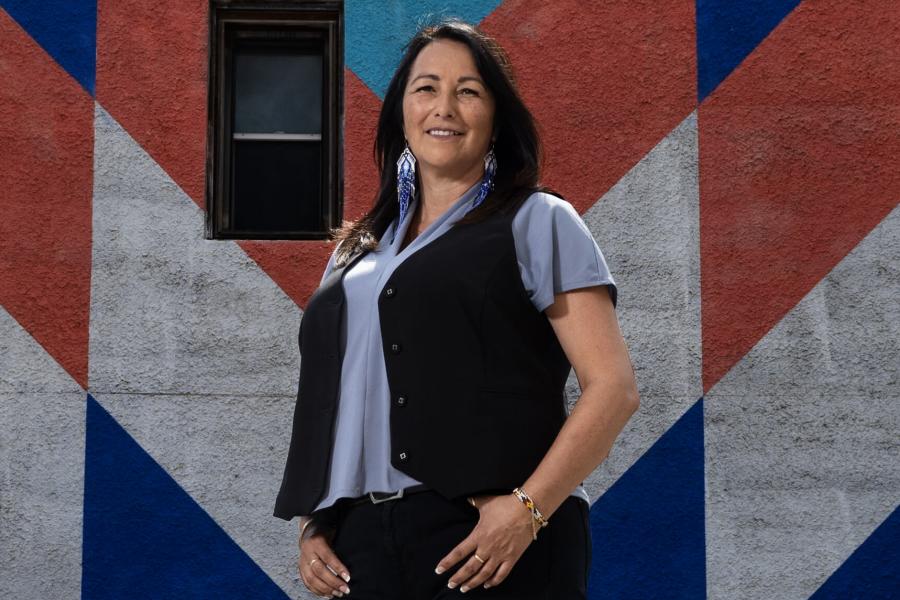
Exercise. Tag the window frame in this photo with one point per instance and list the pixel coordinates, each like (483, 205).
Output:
(230, 19)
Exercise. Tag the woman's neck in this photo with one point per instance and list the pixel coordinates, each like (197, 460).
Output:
(439, 193)
(436, 197)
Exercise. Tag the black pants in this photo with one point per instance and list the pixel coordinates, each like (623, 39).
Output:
(392, 548)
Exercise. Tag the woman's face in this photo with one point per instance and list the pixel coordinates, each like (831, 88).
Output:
(445, 93)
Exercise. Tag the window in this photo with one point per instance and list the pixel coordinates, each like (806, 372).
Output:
(275, 107)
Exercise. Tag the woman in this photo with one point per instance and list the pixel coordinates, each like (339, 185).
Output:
(431, 443)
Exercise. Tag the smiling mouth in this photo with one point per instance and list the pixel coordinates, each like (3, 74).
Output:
(443, 133)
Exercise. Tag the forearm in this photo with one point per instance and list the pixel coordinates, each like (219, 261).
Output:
(583, 443)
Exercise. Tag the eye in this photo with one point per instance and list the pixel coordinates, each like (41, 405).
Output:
(425, 87)
(469, 91)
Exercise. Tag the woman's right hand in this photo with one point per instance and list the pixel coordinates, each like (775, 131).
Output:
(327, 576)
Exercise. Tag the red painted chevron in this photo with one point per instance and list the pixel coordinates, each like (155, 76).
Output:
(605, 80)
(798, 162)
(152, 78)
(360, 175)
(46, 120)
(296, 266)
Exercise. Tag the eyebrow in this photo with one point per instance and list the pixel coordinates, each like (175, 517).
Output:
(436, 78)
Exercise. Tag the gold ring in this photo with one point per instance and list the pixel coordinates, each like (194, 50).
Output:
(479, 558)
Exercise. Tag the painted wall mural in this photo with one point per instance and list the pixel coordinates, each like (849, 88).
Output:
(736, 162)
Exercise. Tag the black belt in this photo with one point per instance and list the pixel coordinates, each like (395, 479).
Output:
(378, 497)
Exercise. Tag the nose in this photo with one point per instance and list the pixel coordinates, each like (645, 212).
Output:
(445, 104)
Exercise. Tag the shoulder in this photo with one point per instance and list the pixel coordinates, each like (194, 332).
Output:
(542, 204)
(330, 265)
(555, 249)
(543, 214)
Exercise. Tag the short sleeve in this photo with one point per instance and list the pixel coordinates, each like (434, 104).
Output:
(556, 251)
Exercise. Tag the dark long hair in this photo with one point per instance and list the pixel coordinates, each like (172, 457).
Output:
(517, 145)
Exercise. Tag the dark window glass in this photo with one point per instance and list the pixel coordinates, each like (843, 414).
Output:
(277, 185)
(277, 92)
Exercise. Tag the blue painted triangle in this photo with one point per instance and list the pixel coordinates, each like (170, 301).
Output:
(872, 571)
(379, 30)
(65, 29)
(727, 31)
(648, 528)
(145, 537)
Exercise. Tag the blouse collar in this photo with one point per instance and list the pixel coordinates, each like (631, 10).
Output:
(454, 212)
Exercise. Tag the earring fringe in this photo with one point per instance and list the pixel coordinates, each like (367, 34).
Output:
(406, 182)
(487, 182)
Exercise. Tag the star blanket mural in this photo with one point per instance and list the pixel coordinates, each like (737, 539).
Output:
(736, 162)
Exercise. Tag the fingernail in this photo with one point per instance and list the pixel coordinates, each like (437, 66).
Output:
(464, 589)
(439, 570)
(345, 589)
(487, 585)
(345, 576)
(451, 584)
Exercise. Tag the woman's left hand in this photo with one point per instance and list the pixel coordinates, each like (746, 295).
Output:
(503, 532)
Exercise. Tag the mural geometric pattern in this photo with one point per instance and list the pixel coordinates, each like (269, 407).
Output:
(737, 164)
(871, 570)
(145, 537)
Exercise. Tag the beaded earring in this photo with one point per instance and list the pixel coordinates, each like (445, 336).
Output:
(406, 181)
(487, 182)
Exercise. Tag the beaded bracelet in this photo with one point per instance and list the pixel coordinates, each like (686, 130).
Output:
(536, 516)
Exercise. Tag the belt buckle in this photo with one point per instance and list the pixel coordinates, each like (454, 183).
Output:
(379, 500)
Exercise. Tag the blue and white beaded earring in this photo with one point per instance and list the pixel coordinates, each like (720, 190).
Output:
(406, 181)
(487, 181)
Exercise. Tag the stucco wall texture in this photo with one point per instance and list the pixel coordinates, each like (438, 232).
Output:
(736, 162)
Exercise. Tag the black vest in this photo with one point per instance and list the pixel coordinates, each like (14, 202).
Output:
(476, 373)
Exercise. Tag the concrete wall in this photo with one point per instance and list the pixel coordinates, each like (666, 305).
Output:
(736, 163)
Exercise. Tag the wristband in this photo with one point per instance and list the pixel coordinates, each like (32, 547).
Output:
(537, 519)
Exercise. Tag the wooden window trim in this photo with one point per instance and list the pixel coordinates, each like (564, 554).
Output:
(225, 16)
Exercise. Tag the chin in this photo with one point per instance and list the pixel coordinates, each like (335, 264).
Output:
(451, 159)
(451, 164)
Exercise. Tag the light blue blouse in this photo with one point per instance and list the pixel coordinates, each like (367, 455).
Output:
(556, 252)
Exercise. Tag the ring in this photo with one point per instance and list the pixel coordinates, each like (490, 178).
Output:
(479, 558)
(312, 561)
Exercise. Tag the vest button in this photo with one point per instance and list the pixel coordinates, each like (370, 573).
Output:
(401, 400)
(403, 456)
(395, 348)
(389, 291)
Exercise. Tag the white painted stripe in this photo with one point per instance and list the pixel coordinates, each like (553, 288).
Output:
(647, 227)
(801, 434)
(193, 348)
(41, 470)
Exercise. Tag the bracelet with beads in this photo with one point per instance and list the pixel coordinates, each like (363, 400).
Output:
(536, 517)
